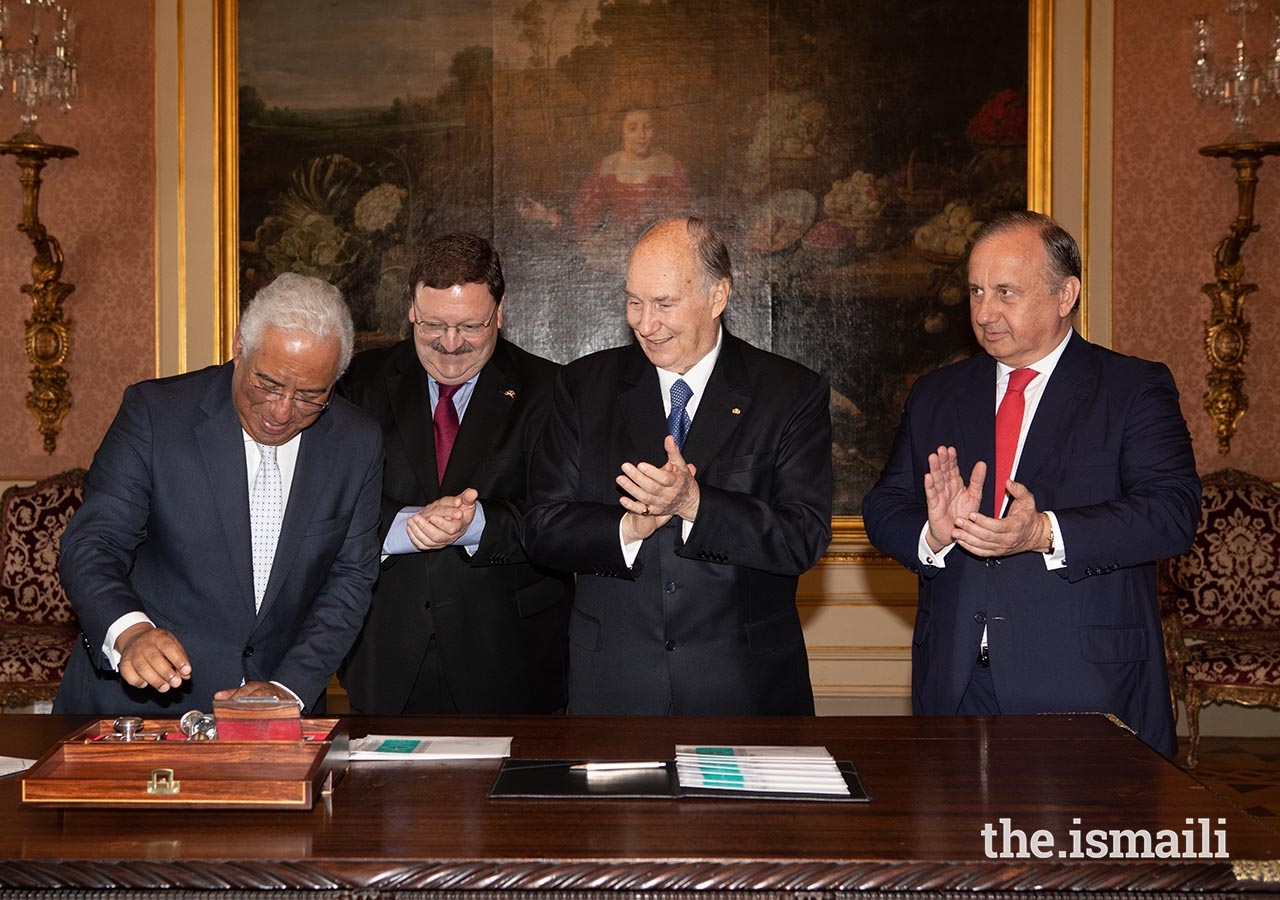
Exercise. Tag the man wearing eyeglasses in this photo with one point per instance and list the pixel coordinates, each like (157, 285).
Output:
(227, 545)
(461, 621)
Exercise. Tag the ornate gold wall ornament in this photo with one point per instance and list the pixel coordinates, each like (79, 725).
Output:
(48, 333)
(1226, 333)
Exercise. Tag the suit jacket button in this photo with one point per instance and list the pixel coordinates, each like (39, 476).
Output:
(671, 645)
(670, 587)
(992, 563)
(980, 618)
(248, 651)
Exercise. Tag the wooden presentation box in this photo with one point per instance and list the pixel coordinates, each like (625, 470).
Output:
(88, 768)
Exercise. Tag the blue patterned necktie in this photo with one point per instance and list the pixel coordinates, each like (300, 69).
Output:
(266, 513)
(678, 421)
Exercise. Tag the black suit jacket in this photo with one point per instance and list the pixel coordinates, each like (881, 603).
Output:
(1108, 452)
(706, 626)
(164, 530)
(500, 621)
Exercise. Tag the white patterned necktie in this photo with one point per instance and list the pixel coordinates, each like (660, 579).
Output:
(678, 421)
(266, 512)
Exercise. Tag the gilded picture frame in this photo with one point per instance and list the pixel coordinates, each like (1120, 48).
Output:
(239, 236)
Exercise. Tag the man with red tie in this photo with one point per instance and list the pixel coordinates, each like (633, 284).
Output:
(461, 621)
(1037, 579)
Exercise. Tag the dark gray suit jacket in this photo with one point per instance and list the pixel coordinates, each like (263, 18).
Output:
(1108, 452)
(706, 626)
(501, 623)
(164, 530)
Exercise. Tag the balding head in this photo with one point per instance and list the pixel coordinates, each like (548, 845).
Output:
(678, 284)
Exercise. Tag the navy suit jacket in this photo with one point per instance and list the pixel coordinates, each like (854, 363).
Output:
(164, 530)
(706, 626)
(501, 623)
(1109, 453)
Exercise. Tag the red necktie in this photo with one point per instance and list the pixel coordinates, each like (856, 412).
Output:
(1008, 427)
(445, 425)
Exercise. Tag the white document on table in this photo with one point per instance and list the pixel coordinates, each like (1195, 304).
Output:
(11, 765)
(392, 747)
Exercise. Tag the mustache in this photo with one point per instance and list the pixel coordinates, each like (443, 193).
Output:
(463, 349)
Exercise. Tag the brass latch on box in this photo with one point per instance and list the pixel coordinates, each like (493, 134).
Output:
(163, 782)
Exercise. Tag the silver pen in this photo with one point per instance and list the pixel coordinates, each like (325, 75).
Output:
(617, 766)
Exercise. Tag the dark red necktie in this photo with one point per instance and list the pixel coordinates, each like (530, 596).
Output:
(1008, 427)
(445, 425)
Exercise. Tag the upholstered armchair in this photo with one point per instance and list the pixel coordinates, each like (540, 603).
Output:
(1220, 601)
(38, 628)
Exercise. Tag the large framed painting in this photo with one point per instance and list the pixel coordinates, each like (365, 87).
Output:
(847, 151)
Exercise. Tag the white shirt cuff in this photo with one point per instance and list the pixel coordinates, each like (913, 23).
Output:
(629, 551)
(118, 627)
(926, 553)
(1058, 558)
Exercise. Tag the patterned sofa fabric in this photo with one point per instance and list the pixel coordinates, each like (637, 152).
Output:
(37, 625)
(1220, 601)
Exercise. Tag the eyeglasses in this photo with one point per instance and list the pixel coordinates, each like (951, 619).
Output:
(436, 330)
(271, 394)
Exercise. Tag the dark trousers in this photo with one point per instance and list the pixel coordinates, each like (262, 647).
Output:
(980, 695)
(431, 692)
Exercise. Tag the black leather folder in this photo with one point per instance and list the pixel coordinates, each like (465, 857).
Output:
(556, 778)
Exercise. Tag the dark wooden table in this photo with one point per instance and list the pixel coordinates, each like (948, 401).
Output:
(935, 784)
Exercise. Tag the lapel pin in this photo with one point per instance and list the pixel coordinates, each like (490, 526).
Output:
(736, 411)
(509, 394)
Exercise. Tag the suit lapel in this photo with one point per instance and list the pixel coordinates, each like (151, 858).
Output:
(973, 414)
(640, 399)
(1072, 381)
(722, 406)
(220, 438)
(492, 401)
(410, 402)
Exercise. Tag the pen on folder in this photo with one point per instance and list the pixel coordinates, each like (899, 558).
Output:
(617, 766)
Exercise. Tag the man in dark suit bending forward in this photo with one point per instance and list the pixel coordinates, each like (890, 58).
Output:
(227, 545)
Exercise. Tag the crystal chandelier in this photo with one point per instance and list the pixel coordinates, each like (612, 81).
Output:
(1241, 83)
(43, 72)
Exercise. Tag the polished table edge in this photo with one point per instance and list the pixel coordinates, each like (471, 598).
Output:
(647, 876)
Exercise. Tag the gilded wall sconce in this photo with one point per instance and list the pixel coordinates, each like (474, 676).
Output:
(1239, 83)
(1226, 332)
(47, 334)
(41, 72)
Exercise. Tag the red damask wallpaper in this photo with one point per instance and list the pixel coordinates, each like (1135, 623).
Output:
(101, 208)
(1172, 205)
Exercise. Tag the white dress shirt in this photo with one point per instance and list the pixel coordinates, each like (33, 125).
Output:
(697, 377)
(1031, 397)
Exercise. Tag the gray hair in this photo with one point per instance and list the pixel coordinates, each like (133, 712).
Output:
(299, 302)
(713, 252)
(708, 247)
